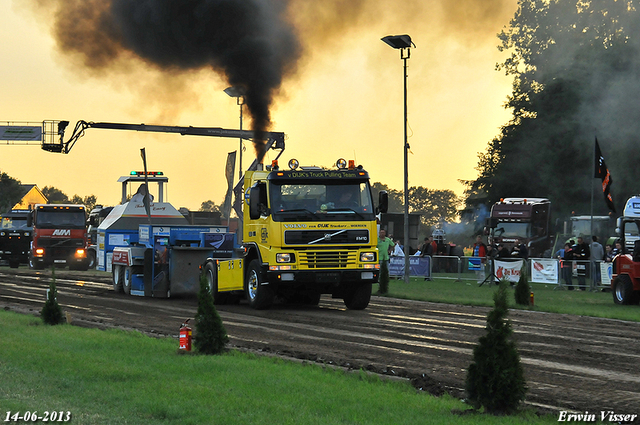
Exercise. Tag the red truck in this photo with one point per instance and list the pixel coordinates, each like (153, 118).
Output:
(59, 236)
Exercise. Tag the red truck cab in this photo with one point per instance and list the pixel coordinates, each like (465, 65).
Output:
(59, 236)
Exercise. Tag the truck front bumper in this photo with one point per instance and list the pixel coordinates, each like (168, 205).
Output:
(317, 278)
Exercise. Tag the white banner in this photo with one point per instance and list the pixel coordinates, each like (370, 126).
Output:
(544, 270)
(509, 270)
(22, 133)
(606, 273)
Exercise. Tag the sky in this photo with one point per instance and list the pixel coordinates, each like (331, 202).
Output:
(344, 99)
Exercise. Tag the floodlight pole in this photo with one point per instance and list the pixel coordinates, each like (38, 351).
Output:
(404, 43)
(404, 57)
(238, 93)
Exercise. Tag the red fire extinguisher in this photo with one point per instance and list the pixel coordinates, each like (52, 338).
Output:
(531, 298)
(185, 336)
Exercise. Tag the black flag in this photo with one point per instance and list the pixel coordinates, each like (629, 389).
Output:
(602, 172)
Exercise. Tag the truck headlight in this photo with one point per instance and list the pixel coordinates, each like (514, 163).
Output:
(285, 257)
(80, 253)
(39, 252)
(367, 257)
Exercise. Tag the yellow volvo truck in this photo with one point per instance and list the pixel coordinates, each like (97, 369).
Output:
(306, 231)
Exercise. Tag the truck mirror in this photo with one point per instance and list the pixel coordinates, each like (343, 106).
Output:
(30, 219)
(493, 222)
(383, 201)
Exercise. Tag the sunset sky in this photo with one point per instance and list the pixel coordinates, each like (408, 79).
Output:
(345, 100)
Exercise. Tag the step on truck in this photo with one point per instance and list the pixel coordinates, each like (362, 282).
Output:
(59, 236)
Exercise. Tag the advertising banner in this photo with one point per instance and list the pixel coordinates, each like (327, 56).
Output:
(606, 273)
(418, 266)
(21, 133)
(509, 270)
(544, 270)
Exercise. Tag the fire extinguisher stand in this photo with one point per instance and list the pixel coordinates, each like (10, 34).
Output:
(185, 337)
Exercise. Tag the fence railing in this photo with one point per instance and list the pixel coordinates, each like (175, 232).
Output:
(538, 270)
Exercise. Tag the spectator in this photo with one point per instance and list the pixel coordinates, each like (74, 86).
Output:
(567, 265)
(608, 253)
(597, 255)
(582, 254)
(427, 248)
(520, 250)
(480, 250)
(397, 250)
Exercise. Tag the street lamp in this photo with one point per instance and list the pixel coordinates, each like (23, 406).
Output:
(404, 43)
(238, 93)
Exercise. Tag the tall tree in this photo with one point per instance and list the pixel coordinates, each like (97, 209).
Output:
(575, 67)
(55, 195)
(10, 192)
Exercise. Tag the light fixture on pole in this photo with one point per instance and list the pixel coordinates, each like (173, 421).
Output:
(404, 43)
(238, 93)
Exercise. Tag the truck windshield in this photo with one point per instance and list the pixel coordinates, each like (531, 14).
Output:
(513, 230)
(60, 220)
(321, 201)
(14, 222)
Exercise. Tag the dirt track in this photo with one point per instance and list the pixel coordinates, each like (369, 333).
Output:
(570, 362)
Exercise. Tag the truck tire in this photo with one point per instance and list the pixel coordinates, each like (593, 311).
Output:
(623, 292)
(34, 265)
(127, 277)
(260, 296)
(118, 276)
(211, 274)
(91, 258)
(358, 298)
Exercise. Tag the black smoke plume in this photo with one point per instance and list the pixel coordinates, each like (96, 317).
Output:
(247, 41)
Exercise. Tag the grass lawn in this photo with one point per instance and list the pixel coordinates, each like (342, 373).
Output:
(117, 377)
(546, 297)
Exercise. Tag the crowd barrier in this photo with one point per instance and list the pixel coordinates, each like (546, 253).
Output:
(538, 270)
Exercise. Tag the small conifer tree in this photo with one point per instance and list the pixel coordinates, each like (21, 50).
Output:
(523, 290)
(384, 278)
(211, 336)
(495, 379)
(51, 313)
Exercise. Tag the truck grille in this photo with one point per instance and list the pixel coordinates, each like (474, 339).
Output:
(320, 237)
(327, 259)
(60, 243)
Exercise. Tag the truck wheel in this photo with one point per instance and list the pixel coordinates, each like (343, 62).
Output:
(126, 279)
(118, 276)
(34, 265)
(260, 296)
(623, 292)
(358, 298)
(91, 258)
(211, 274)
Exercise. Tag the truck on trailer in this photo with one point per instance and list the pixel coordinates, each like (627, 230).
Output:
(299, 237)
(59, 236)
(15, 237)
(523, 219)
(306, 231)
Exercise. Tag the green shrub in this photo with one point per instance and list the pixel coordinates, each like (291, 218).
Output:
(211, 336)
(495, 379)
(51, 313)
(523, 290)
